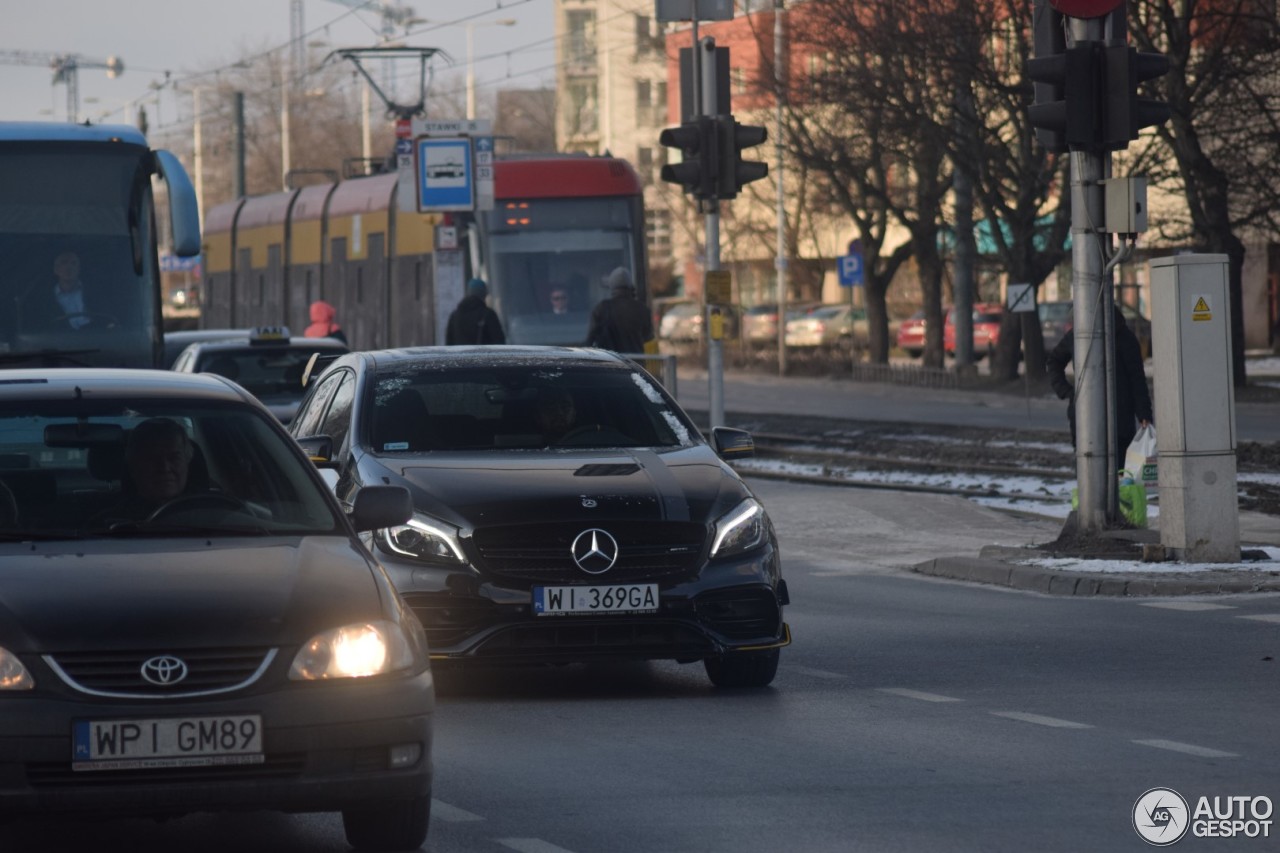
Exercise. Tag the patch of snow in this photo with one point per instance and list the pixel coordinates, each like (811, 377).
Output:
(1070, 564)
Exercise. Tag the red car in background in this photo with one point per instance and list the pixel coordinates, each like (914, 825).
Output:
(911, 335)
(986, 329)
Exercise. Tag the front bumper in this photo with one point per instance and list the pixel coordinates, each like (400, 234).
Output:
(726, 606)
(326, 748)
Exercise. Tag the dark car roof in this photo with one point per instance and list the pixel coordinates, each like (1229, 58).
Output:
(499, 356)
(244, 343)
(115, 383)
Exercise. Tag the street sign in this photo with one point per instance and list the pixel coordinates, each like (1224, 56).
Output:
(1085, 8)
(849, 269)
(484, 172)
(719, 284)
(445, 174)
(1021, 298)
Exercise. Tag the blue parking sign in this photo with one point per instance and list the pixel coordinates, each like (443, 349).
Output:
(849, 270)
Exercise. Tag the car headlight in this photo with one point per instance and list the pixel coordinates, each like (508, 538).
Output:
(740, 529)
(354, 651)
(13, 675)
(423, 539)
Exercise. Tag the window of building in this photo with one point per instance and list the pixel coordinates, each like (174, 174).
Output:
(644, 164)
(644, 93)
(583, 107)
(581, 28)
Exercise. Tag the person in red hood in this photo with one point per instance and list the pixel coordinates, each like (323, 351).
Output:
(322, 325)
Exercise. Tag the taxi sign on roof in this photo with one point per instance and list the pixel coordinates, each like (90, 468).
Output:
(269, 334)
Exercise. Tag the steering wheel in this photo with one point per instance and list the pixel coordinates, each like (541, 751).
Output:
(203, 500)
(578, 432)
(108, 321)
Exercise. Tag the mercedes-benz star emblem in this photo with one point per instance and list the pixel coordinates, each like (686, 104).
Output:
(164, 670)
(595, 551)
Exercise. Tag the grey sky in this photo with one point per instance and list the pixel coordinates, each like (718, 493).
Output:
(185, 36)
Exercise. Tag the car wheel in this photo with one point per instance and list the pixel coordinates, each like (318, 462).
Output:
(392, 826)
(743, 669)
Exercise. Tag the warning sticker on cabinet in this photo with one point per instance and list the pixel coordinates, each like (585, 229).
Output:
(1201, 310)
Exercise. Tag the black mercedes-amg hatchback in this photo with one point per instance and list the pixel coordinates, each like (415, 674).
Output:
(567, 509)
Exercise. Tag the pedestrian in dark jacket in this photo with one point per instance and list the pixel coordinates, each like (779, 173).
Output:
(622, 322)
(474, 322)
(1133, 400)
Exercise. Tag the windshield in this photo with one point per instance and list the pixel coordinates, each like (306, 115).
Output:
(521, 408)
(542, 249)
(74, 469)
(77, 253)
(266, 372)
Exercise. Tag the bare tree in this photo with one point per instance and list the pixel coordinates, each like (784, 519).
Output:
(1223, 90)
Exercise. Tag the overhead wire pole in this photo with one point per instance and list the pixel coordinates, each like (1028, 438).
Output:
(780, 260)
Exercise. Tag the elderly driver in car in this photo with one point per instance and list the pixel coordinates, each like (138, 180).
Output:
(157, 459)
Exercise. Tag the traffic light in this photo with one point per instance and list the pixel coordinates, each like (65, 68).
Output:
(1126, 113)
(697, 142)
(735, 173)
(1075, 120)
(1048, 70)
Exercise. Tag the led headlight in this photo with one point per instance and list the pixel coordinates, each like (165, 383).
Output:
(353, 651)
(424, 539)
(13, 675)
(740, 529)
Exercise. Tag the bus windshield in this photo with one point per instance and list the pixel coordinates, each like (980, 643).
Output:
(547, 260)
(79, 278)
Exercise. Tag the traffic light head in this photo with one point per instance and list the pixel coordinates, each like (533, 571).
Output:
(1126, 113)
(696, 141)
(735, 173)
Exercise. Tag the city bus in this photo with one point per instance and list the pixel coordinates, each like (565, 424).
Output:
(559, 222)
(79, 272)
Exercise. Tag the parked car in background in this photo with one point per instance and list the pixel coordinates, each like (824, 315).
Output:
(682, 323)
(760, 324)
(911, 335)
(1056, 319)
(986, 329)
(267, 363)
(176, 342)
(566, 508)
(831, 327)
(190, 622)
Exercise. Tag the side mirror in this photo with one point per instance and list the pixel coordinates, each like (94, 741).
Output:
(318, 447)
(376, 507)
(732, 444)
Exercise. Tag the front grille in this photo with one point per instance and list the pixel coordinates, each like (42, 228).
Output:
(525, 554)
(740, 614)
(449, 619)
(581, 641)
(58, 774)
(120, 673)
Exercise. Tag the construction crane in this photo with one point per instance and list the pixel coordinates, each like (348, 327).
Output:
(66, 70)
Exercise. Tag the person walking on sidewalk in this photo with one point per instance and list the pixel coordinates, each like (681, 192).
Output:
(474, 322)
(322, 324)
(1133, 399)
(620, 323)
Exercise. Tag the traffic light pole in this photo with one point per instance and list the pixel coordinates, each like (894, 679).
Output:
(705, 67)
(1088, 283)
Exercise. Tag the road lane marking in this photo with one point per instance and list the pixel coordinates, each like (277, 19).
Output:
(918, 694)
(1262, 617)
(531, 845)
(1186, 605)
(451, 814)
(1052, 722)
(1187, 749)
(818, 673)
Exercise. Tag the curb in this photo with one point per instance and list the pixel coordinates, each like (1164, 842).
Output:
(1055, 582)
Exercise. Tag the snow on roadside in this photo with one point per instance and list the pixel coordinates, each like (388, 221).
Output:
(1071, 564)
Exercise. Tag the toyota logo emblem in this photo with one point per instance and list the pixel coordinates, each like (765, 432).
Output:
(595, 551)
(164, 670)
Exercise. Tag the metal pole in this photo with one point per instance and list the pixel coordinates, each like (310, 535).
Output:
(198, 153)
(366, 126)
(237, 145)
(780, 259)
(1087, 262)
(715, 346)
(471, 71)
(285, 165)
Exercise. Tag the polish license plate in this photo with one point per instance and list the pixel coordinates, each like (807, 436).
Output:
(166, 742)
(622, 598)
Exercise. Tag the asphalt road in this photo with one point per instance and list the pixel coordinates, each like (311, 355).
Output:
(910, 714)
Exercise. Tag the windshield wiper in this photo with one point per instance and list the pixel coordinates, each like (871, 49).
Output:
(48, 357)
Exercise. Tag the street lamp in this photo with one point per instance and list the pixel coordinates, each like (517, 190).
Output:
(471, 66)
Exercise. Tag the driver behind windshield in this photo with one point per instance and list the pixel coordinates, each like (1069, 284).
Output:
(157, 464)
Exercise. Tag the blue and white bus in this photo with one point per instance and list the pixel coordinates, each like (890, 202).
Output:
(79, 272)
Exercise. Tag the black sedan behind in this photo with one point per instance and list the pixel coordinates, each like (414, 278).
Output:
(567, 509)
